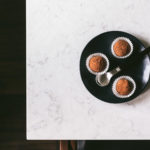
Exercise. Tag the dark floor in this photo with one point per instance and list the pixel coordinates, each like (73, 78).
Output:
(13, 87)
(13, 124)
(13, 80)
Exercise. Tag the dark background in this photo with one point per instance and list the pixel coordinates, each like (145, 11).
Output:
(13, 87)
(13, 80)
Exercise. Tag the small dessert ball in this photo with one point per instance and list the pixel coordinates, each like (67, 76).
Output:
(97, 63)
(124, 87)
(121, 48)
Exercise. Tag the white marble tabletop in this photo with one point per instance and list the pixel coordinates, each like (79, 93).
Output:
(58, 104)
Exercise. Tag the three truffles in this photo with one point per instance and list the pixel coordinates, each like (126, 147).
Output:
(98, 63)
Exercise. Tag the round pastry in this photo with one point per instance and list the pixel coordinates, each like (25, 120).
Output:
(97, 63)
(122, 47)
(124, 87)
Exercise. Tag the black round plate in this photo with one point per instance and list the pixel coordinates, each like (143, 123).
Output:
(102, 43)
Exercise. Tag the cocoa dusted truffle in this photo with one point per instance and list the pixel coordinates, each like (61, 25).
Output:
(124, 86)
(97, 63)
(121, 48)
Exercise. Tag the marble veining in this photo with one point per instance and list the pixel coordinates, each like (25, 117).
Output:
(58, 104)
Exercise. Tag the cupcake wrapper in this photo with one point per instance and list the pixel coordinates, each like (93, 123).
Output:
(123, 96)
(97, 54)
(127, 40)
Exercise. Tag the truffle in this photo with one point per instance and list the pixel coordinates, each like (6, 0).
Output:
(121, 48)
(124, 86)
(97, 63)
